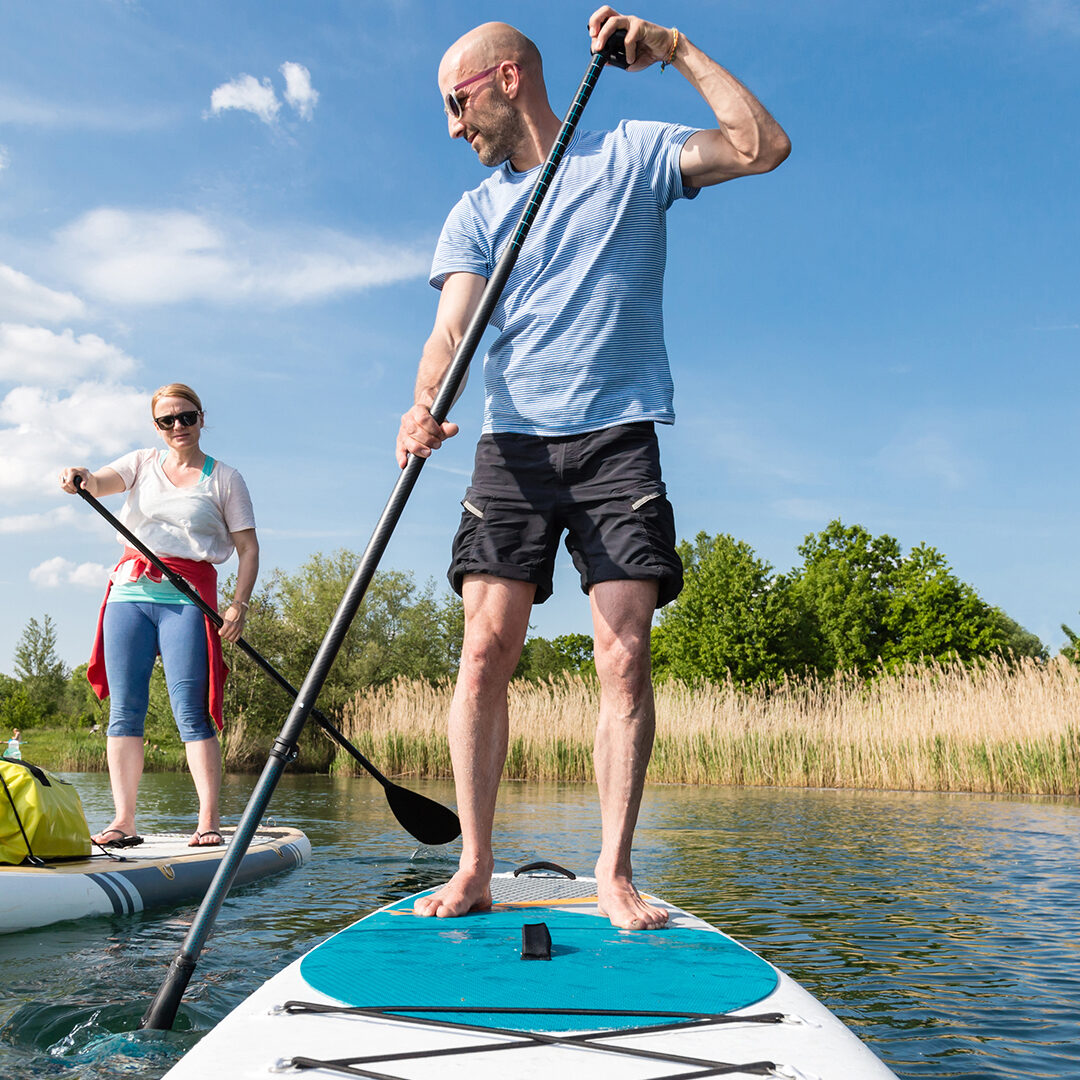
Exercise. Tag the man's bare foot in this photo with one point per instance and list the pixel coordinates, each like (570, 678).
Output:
(624, 906)
(467, 890)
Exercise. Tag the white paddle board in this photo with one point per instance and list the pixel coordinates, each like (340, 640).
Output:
(400, 996)
(161, 870)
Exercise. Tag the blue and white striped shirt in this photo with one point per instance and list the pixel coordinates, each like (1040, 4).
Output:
(581, 342)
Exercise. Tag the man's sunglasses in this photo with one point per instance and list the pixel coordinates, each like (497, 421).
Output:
(456, 108)
(187, 419)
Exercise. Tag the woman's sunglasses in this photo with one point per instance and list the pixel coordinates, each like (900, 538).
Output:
(454, 105)
(187, 419)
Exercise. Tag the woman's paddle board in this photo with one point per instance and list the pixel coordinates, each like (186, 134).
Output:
(160, 870)
(400, 996)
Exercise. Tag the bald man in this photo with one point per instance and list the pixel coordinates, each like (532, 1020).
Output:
(573, 384)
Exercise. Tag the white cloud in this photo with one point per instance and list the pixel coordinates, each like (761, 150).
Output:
(53, 573)
(41, 431)
(299, 92)
(5, 159)
(23, 523)
(142, 257)
(23, 298)
(248, 94)
(32, 353)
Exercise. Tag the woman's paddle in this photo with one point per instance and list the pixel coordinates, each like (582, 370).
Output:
(428, 821)
(162, 1010)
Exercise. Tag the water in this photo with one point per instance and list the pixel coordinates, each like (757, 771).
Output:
(945, 929)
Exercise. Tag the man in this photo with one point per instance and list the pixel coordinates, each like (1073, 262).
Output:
(573, 385)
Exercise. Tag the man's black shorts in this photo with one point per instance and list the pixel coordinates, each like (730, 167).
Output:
(603, 488)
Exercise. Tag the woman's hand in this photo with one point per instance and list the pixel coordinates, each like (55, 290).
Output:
(104, 482)
(67, 480)
(232, 625)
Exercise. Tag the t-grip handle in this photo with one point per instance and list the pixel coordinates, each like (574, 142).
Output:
(614, 50)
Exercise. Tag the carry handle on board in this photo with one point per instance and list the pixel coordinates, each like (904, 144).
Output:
(428, 821)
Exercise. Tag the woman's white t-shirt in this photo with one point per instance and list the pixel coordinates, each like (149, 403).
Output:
(184, 522)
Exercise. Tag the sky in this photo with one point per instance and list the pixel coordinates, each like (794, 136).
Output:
(245, 197)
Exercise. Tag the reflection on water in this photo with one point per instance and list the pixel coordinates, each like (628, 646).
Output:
(944, 928)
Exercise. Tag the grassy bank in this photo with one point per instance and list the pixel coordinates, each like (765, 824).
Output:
(994, 729)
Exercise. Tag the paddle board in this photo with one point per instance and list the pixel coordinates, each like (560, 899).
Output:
(400, 996)
(161, 870)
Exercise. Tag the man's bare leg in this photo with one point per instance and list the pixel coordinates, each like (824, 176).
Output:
(622, 616)
(496, 620)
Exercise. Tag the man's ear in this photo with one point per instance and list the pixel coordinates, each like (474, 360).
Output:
(510, 77)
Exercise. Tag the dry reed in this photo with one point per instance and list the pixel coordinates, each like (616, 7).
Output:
(994, 728)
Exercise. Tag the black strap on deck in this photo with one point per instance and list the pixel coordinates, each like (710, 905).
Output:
(516, 1040)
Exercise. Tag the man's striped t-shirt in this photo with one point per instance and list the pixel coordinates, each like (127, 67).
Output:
(581, 329)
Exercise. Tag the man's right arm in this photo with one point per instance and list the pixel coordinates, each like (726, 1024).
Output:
(419, 434)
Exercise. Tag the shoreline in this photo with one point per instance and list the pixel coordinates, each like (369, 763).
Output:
(996, 729)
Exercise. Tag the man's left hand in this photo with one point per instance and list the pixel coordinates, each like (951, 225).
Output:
(646, 43)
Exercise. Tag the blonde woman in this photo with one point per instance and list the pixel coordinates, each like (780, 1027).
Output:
(193, 512)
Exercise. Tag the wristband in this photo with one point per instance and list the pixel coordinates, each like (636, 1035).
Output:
(674, 46)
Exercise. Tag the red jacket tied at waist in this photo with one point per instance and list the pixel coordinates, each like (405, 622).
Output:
(201, 575)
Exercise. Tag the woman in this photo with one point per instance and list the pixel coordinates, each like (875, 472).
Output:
(192, 512)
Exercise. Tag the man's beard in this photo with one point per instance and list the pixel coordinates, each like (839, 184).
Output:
(503, 132)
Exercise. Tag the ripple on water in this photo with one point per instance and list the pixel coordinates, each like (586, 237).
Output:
(943, 929)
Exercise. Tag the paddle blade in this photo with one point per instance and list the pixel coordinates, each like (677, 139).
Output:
(430, 822)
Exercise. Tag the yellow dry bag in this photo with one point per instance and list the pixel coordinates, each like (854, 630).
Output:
(41, 816)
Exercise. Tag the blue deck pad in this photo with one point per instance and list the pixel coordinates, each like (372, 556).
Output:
(396, 958)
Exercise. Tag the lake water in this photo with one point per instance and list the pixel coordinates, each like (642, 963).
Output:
(944, 929)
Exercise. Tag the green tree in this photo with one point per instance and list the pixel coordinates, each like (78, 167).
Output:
(80, 705)
(542, 659)
(16, 709)
(932, 615)
(734, 616)
(845, 587)
(401, 630)
(1072, 650)
(42, 673)
(1016, 641)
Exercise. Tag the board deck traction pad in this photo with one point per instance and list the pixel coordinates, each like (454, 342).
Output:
(609, 982)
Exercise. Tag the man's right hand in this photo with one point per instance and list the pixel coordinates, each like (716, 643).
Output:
(419, 434)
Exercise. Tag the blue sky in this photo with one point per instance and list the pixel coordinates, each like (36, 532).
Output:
(245, 196)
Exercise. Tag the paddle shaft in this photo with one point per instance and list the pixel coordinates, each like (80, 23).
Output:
(192, 594)
(162, 1010)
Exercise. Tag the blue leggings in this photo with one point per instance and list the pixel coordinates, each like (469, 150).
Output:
(135, 632)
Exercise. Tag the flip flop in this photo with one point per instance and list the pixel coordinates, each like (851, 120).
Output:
(123, 839)
(196, 840)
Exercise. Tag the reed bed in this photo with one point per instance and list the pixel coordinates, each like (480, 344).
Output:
(1009, 728)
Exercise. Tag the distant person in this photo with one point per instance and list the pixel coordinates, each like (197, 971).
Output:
(192, 512)
(574, 382)
(14, 746)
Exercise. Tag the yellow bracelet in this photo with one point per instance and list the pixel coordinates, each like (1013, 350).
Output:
(674, 46)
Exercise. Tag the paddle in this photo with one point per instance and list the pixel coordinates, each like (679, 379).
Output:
(162, 1010)
(423, 818)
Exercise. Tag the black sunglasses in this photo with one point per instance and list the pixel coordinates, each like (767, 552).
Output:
(187, 419)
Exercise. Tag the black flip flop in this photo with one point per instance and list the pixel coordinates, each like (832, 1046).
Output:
(209, 832)
(123, 840)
